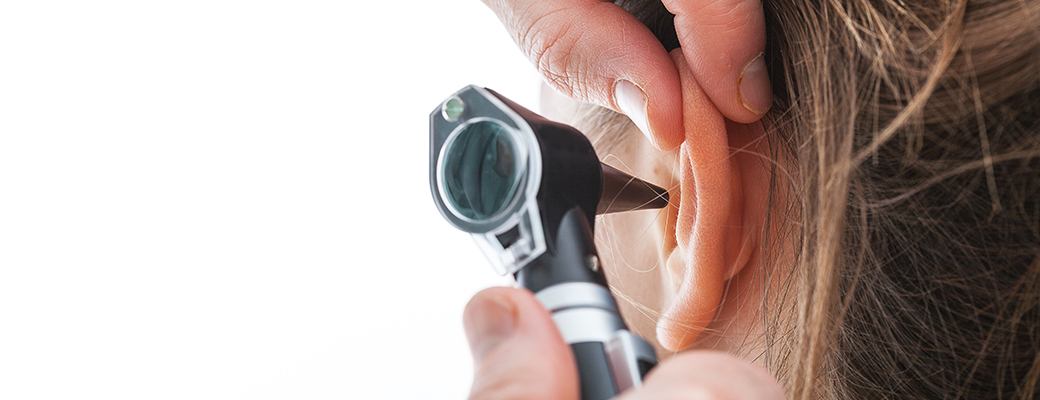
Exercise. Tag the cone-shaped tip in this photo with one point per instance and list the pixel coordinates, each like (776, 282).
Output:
(624, 192)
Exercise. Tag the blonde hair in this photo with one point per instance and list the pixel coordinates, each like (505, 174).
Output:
(914, 128)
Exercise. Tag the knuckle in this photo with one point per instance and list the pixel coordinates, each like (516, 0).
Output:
(550, 44)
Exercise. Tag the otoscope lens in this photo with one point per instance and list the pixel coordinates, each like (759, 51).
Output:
(480, 170)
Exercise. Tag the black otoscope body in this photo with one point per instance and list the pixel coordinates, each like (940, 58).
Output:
(528, 190)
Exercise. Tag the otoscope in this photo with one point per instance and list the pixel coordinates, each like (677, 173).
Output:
(528, 190)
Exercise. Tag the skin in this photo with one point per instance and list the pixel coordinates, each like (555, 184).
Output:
(687, 266)
(585, 61)
(527, 359)
(687, 273)
(642, 257)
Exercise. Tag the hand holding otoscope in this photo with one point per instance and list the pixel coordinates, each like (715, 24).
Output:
(528, 190)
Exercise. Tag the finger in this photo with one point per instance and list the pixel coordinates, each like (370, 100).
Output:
(594, 51)
(517, 351)
(724, 41)
(707, 375)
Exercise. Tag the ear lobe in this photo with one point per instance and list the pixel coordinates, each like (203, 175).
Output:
(706, 208)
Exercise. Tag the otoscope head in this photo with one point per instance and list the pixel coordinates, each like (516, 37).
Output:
(507, 175)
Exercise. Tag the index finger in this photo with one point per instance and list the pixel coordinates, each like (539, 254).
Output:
(595, 51)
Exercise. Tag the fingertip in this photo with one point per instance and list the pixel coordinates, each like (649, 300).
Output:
(530, 361)
(632, 102)
(489, 319)
(530, 318)
(656, 112)
(589, 60)
(664, 112)
(667, 137)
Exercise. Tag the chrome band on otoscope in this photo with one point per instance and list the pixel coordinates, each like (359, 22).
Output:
(576, 294)
(586, 312)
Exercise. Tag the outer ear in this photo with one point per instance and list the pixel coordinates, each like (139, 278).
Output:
(710, 214)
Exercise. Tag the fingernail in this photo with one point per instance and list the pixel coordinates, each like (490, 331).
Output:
(488, 321)
(632, 101)
(753, 86)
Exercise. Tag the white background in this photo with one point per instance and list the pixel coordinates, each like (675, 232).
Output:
(228, 199)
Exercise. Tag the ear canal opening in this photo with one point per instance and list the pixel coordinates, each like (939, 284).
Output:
(624, 192)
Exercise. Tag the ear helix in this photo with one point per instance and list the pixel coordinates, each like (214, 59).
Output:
(704, 209)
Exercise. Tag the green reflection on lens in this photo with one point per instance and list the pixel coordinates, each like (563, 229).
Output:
(480, 173)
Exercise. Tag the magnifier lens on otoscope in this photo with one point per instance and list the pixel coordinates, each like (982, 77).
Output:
(528, 190)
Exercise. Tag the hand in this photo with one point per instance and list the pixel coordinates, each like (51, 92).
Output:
(519, 354)
(594, 51)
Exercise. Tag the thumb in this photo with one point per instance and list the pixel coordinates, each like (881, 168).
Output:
(517, 351)
(595, 51)
(724, 43)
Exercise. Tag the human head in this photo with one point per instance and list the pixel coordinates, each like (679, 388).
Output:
(899, 255)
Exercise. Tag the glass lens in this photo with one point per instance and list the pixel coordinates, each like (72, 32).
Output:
(480, 170)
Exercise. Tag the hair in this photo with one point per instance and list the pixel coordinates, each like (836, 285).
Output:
(914, 131)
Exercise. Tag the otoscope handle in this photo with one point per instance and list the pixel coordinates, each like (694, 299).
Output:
(610, 358)
(570, 283)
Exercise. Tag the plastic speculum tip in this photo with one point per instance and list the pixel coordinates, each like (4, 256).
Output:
(624, 192)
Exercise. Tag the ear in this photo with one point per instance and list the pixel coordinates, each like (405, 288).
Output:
(715, 233)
